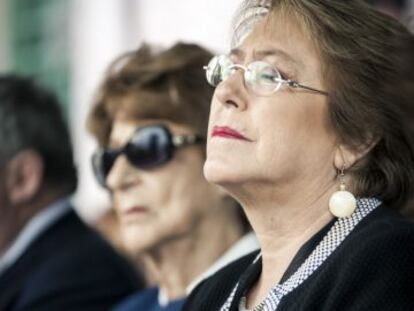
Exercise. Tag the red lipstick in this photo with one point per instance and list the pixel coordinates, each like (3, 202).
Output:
(227, 132)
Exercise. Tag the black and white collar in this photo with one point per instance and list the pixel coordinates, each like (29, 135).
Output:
(337, 233)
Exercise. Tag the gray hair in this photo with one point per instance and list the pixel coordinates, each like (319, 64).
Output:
(246, 17)
(11, 140)
(30, 118)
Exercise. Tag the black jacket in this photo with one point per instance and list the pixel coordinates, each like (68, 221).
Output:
(68, 267)
(373, 269)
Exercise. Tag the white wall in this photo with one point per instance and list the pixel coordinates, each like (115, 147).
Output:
(97, 36)
(203, 21)
(101, 30)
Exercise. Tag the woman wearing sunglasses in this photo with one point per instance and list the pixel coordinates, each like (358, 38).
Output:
(150, 119)
(305, 134)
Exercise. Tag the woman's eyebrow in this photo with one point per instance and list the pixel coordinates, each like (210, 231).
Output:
(262, 53)
(278, 53)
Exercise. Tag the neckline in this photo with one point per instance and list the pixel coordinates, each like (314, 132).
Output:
(306, 261)
(252, 273)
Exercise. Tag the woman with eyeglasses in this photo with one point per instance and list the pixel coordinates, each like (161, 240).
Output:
(150, 119)
(304, 133)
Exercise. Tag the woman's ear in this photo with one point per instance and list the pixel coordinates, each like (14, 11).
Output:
(346, 156)
(24, 176)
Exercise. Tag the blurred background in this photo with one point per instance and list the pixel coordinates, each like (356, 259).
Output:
(67, 45)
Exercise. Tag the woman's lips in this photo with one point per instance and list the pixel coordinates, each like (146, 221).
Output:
(135, 210)
(133, 215)
(227, 132)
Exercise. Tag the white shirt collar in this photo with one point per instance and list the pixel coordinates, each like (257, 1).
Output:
(247, 244)
(35, 226)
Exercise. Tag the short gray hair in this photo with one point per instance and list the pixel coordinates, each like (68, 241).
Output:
(11, 140)
(30, 118)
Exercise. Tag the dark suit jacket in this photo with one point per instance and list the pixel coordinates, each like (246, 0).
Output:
(68, 267)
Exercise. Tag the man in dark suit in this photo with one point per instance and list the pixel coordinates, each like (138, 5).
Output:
(49, 259)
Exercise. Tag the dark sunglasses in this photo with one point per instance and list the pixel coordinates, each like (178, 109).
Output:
(149, 147)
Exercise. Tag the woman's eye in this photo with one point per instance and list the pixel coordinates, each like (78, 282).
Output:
(287, 74)
(267, 76)
(283, 74)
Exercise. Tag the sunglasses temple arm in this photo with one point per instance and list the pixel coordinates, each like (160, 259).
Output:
(181, 140)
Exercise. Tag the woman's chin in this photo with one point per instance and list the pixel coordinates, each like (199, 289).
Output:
(220, 174)
(138, 241)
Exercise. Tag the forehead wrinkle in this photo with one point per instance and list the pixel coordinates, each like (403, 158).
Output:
(260, 53)
(258, 40)
(276, 42)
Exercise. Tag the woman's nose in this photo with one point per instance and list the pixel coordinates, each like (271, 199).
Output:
(232, 92)
(122, 175)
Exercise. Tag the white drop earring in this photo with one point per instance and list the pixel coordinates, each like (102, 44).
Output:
(342, 203)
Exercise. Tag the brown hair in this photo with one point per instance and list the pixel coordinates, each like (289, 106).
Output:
(358, 51)
(404, 92)
(168, 85)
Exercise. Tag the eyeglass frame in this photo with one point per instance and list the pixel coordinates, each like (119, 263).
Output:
(288, 82)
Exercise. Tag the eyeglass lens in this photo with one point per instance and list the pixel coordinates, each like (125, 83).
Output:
(260, 76)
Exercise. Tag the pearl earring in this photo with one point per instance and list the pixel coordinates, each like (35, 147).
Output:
(342, 203)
